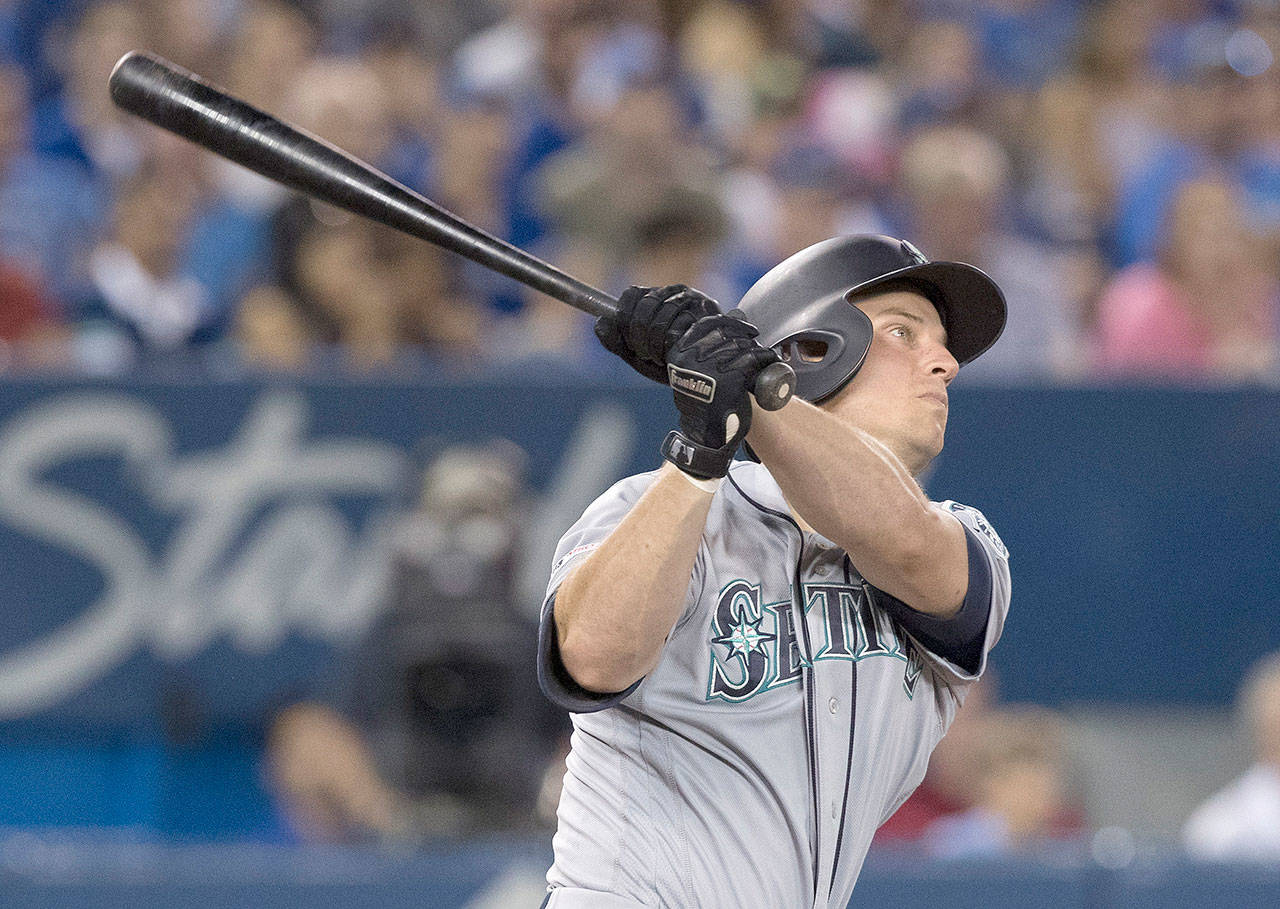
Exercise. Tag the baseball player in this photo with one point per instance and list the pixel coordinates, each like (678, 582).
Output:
(760, 655)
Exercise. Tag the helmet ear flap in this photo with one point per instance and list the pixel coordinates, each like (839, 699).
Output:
(857, 342)
(860, 335)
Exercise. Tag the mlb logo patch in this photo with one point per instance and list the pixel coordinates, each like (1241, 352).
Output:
(978, 522)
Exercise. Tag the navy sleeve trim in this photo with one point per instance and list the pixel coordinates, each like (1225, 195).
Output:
(958, 638)
(556, 682)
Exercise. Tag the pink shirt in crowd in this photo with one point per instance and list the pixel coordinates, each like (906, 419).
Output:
(1146, 328)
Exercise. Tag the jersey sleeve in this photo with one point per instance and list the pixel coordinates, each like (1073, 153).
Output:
(596, 523)
(958, 645)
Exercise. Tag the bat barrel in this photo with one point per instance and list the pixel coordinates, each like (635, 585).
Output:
(185, 104)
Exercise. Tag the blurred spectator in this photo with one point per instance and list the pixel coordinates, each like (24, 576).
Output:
(956, 183)
(260, 49)
(1206, 308)
(444, 730)
(272, 44)
(80, 123)
(366, 288)
(271, 333)
(192, 33)
(636, 161)
(267, 51)
(722, 45)
(49, 210)
(814, 197)
(1216, 114)
(1114, 71)
(950, 785)
(1020, 788)
(1242, 821)
(1023, 42)
(329, 258)
(473, 147)
(854, 114)
(329, 266)
(323, 770)
(141, 294)
(679, 238)
(938, 74)
(369, 290)
(25, 313)
(563, 63)
(411, 82)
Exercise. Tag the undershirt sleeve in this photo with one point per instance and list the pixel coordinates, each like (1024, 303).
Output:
(556, 682)
(960, 638)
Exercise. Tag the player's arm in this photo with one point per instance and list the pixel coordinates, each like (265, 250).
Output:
(614, 611)
(856, 492)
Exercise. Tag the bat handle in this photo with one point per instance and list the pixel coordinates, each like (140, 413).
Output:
(774, 386)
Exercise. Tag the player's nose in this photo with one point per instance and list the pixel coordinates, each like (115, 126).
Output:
(941, 362)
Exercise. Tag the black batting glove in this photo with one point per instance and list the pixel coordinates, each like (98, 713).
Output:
(648, 323)
(711, 370)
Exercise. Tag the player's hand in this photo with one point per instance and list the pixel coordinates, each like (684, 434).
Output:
(712, 369)
(322, 771)
(648, 323)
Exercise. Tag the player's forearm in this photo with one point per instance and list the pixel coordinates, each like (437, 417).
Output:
(613, 612)
(853, 490)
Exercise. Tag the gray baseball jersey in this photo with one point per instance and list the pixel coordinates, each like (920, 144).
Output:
(792, 711)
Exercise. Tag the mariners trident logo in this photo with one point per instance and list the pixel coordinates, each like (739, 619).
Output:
(755, 647)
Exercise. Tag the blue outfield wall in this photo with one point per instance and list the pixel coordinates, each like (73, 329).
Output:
(177, 558)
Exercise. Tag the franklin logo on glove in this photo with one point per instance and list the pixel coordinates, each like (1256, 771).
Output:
(694, 384)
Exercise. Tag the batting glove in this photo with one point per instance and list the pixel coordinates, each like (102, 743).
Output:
(711, 370)
(648, 323)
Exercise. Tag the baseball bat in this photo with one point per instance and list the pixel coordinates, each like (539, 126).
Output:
(183, 103)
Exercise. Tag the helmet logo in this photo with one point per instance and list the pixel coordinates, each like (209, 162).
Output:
(916, 256)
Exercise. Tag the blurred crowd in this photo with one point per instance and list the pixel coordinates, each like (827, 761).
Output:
(1114, 164)
(433, 725)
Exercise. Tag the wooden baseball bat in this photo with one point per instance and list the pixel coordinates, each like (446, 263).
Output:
(185, 104)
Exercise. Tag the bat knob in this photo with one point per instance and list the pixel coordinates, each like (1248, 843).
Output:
(774, 386)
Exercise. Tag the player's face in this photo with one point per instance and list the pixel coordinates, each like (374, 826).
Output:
(900, 394)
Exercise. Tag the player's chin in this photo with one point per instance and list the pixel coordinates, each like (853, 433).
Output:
(920, 451)
(930, 443)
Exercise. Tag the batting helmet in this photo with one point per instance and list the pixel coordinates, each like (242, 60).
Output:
(802, 306)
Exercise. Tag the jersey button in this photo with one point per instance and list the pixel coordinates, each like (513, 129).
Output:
(833, 704)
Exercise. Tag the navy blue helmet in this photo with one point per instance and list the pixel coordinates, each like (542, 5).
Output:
(804, 306)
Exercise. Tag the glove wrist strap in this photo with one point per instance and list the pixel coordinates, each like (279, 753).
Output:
(694, 459)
